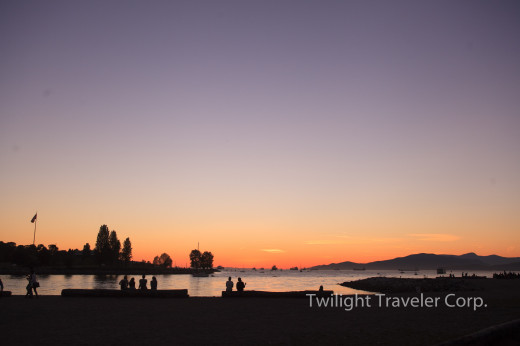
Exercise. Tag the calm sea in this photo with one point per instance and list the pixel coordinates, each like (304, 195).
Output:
(212, 286)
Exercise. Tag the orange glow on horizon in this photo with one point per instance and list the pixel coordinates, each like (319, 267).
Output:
(256, 248)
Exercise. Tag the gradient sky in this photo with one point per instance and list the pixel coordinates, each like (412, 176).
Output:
(272, 132)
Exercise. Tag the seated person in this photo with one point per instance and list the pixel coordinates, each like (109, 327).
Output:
(124, 283)
(240, 285)
(229, 285)
(142, 283)
(131, 284)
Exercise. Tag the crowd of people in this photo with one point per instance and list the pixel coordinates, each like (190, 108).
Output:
(126, 284)
(505, 275)
(130, 285)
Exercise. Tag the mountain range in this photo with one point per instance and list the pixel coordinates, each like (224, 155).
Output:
(425, 261)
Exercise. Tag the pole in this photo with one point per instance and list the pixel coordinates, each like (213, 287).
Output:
(34, 237)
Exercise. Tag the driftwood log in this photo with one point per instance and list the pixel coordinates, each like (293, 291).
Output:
(183, 293)
(267, 294)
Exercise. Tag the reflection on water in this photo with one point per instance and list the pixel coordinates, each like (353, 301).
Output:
(212, 286)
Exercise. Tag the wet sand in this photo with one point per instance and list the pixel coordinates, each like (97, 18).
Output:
(257, 321)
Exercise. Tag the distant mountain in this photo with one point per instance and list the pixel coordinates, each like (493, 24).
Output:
(342, 265)
(426, 261)
(492, 259)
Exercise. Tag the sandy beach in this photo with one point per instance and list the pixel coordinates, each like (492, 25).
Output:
(258, 321)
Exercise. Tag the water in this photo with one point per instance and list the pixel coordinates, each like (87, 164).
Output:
(212, 286)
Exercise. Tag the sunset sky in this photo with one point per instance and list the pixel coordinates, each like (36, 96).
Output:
(293, 133)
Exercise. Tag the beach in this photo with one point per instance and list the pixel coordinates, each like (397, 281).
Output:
(257, 321)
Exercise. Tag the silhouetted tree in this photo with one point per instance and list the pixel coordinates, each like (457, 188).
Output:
(164, 260)
(68, 258)
(126, 253)
(53, 248)
(25, 255)
(44, 255)
(195, 259)
(102, 248)
(206, 260)
(115, 246)
(6, 251)
(86, 250)
(86, 253)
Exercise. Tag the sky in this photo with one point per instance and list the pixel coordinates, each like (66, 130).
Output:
(288, 133)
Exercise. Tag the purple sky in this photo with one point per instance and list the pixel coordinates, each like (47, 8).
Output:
(180, 111)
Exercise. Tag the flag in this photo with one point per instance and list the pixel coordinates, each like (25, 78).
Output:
(34, 218)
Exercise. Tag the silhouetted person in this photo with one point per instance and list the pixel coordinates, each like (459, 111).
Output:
(142, 283)
(28, 288)
(1, 286)
(321, 289)
(34, 282)
(229, 285)
(124, 283)
(131, 284)
(240, 285)
(153, 283)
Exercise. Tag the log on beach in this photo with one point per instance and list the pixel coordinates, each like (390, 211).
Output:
(182, 293)
(5, 293)
(267, 294)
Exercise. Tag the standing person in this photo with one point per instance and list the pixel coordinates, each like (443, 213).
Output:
(124, 283)
(131, 284)
(142, 283)
(1, 285)
(28, 288)
(34, 282)
(240, 285)
(229, 285)
(153, 283)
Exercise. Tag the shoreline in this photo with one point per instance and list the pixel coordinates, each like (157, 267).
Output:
(439, 284)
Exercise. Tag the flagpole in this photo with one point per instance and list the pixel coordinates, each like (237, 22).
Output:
(34, 237)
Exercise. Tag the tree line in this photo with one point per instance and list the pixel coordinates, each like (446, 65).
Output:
(198, 260)
(108, 251)
(40, 255)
